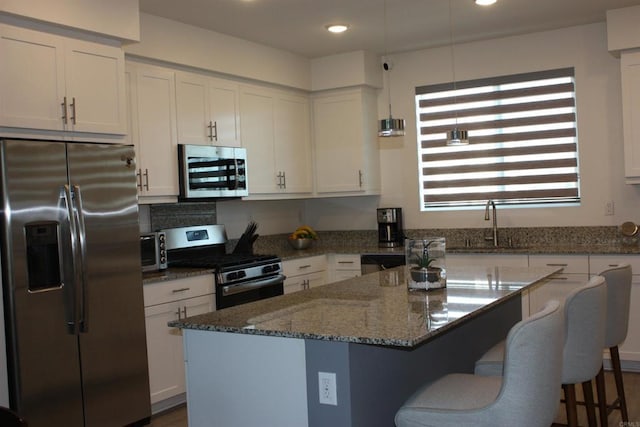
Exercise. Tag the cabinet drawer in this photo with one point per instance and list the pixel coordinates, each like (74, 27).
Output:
(345, 262)
(598, 263)
(571, 264)
(174, 290)
(305, 281)
(296, 267)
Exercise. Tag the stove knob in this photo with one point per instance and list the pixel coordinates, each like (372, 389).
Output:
(269, 268)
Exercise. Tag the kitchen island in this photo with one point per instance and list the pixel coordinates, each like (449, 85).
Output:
(259, 364)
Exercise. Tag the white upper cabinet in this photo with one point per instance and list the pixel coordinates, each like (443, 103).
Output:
(56, 83)
(153, 130)
(207, 110)
(276, 134)
(630, 65)
(347, 159)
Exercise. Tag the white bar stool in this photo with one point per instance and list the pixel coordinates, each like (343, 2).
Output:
(524, 393)
(585, 315)
(618, 299)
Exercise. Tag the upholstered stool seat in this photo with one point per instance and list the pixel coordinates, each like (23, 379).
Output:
(523, 393)
(584, 314)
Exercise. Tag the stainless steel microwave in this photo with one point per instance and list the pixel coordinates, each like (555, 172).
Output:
(153, 251)
(212, 172)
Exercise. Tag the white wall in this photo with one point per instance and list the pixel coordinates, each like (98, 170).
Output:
(599, 133)
(171, 41)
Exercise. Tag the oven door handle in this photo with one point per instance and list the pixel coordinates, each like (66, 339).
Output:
(254, 284)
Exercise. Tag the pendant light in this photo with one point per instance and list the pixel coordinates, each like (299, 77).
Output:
(389, 127)
(455, 136)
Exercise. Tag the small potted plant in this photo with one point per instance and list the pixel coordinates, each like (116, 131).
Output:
(426, 263)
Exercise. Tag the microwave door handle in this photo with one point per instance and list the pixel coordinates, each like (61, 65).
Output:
(70, 264)
(82, 239)
(235, 169)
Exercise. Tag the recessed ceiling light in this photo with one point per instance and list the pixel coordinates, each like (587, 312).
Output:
(485, 2)
(337, 28)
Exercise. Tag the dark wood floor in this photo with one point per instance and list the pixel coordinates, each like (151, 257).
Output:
(177, 417)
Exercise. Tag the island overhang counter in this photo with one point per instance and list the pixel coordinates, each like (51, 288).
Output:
(258, 364)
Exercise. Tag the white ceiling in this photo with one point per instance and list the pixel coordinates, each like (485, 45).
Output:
(298, 25)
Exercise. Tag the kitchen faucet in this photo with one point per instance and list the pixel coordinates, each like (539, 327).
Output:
(495, 221)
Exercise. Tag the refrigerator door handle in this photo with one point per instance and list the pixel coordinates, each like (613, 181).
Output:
(82, 239)
(72, 264)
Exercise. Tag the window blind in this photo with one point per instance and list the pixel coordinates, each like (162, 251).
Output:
(523, 141)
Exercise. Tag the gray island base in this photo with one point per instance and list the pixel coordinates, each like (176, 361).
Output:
(259, 364)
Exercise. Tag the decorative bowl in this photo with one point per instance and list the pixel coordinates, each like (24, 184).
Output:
(300, 243)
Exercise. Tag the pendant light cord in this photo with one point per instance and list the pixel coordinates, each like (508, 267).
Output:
(387, 67)
(453, 65)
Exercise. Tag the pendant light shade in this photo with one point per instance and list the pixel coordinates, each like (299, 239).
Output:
(457, 137)
(391, 127)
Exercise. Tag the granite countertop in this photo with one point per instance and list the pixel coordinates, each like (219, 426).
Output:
(375, 308)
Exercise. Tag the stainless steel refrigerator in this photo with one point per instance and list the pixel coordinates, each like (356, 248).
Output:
(72, 285)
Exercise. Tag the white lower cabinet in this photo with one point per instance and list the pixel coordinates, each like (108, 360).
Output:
(304, 273)
(630, 349)
(164, 302)
(343, 266)
(575, 273)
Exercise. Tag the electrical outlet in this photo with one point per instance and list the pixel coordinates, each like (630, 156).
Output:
(327, 388)
(609, 208)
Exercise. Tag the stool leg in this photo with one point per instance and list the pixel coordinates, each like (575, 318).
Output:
(617, 373)
(602, 399)
(587, 390)
(570, 404)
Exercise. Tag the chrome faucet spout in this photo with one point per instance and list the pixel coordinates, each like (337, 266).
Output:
(490, 203)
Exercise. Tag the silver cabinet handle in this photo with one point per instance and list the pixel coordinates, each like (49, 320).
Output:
(345, 262)
(175, 291)
(360, 177)
(73, 106)
(139, 177)
(64, 110)
(214, 127)
(557, 265)
(184, 312)
(302, 267)
(284, 179)
(178, 313)
(146, 179)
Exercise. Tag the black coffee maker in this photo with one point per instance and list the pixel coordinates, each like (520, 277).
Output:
(390, 232)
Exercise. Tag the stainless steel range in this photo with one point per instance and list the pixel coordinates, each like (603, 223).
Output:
(239, 277)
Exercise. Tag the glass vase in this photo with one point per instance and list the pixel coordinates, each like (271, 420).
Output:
(425, 263)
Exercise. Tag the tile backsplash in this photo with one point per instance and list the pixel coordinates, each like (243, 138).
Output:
(181, 215)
